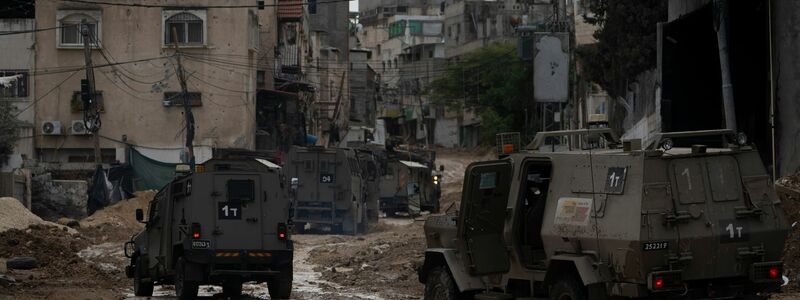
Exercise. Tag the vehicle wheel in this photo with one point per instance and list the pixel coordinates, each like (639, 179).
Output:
(232, 290)
(141, 287)
(281, 287)
(440, 285)
(184, 289)
(568, 288)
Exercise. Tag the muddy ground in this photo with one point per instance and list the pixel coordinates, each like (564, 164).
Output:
(382, 264)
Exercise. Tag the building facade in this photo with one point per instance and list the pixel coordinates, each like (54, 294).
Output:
(134, 55)
(18, 60)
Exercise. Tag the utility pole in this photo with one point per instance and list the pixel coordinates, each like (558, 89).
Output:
(91, 113)
(187, 107)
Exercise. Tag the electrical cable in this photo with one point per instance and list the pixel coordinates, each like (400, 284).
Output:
(45, 94)
(206, 6)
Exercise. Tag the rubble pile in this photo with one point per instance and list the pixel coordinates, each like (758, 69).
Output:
(117, 222)
(49, 254)
(15, 216)
(379, 263)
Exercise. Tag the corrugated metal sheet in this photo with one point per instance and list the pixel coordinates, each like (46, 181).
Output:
(290, 9)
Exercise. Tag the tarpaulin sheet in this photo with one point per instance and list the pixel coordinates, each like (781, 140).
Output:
(150, 174)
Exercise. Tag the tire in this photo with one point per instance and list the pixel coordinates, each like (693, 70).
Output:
(281, 287)
(232, 290)
(141, 288)
(185, 290)
(568, 288)
(440, 285)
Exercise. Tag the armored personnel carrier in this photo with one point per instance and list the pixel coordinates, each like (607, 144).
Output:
(225, 224)
(664, 223)
(330, 189)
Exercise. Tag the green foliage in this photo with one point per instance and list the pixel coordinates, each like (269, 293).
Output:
(8, 131)
(626, 41)
(492, 81)
(493, 123)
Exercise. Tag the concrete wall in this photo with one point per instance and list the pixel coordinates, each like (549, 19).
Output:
(133, 92)
(17, 54)
(786, 41)
(331, 18)
(446, 133)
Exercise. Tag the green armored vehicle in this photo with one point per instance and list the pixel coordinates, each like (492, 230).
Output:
(614, 222)
(330, 189)
(225, 224)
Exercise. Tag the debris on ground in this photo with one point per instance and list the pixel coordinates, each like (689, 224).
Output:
(22, 263)
(58, 264)
(13, 215)
(117, 223)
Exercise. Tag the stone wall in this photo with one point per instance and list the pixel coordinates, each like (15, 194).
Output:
(53, 199)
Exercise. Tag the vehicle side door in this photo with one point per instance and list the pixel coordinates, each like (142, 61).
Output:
(483, 214)
(155, 228)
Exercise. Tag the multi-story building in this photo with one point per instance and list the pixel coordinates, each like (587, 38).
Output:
(133, 50)
(18, 61)
(472, 24)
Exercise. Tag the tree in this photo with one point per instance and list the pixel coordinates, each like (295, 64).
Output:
(626, 41)
(493, 81)
(8, 131)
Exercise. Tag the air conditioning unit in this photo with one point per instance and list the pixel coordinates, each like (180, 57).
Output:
(78, 127)
(51, 128)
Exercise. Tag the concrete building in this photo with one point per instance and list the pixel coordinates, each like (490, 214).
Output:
(18, 59)
(472, 24)
(136, 82)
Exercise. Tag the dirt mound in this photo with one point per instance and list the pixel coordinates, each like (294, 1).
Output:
(382, 263)
(15, 216)
(56, 252)
(117, 222)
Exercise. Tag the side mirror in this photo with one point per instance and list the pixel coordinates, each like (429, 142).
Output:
(139, 215)
(441, 168)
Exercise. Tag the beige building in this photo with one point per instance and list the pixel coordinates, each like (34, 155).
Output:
(225, 52)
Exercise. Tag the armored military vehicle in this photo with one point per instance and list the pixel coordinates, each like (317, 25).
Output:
(408, 183)
(370, 173)
(330, 189)
(225, 224)
(613, 222)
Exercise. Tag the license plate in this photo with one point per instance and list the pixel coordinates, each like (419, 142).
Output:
(655, 246)
(201, 244)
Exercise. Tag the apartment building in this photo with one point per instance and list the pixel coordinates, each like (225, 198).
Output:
(133, 51)
(18, 61)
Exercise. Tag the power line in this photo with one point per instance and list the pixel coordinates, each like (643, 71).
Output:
(205, 6)
(32, 30)
(45, 94)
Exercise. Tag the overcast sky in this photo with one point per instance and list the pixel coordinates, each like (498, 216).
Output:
(354, 5)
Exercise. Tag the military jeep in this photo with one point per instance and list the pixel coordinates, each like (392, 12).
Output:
(608, 221)
(224, 225)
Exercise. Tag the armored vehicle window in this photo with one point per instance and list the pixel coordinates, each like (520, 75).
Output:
(241, 190)
(723, 174)
(688, 174)
(308, 165)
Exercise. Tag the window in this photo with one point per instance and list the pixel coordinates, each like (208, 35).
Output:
(175, 99)
(17, 88)
(189, 27)
(312, 7)
(76, 103)
(241, 191)
(261, 80)
(69, 31)
(402, 9)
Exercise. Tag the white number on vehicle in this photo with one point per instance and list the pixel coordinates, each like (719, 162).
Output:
(655, 246)
(733, 231)
(230, 211)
